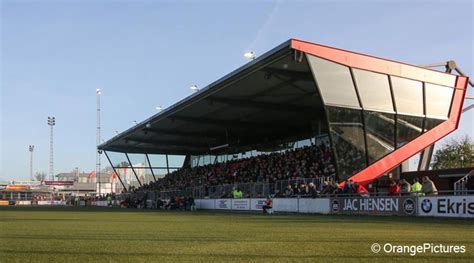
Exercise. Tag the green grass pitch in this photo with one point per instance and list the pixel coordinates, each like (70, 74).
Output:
(45, 234)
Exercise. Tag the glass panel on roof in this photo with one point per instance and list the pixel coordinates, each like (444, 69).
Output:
(176, 161)
(348, 138)
(438, 100)
(408, 128)
(157, 160)
(118, 159)
(430, 123)
(126, 175)
(334, 81)
(138, 160)
(380, 128)
(408, 95)
(374, 90)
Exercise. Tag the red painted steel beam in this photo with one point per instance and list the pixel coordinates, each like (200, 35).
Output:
(393, 68)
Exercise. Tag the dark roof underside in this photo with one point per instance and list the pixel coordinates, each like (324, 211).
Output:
(271, 99)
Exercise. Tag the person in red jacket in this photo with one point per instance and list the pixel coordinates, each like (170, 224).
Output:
(394, 189)
(361, 190)
(268, 205)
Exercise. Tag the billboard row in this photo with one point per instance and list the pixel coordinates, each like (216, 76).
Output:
(431, 206)
(400, 206)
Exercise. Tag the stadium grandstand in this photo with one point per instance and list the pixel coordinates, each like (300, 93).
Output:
(301, 117)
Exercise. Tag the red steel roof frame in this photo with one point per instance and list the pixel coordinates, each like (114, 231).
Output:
(399, 69)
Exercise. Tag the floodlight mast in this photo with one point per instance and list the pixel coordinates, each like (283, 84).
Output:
(31, 148)
(98, 152)
(51, 123)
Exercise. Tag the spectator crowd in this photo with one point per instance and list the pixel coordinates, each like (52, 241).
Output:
(308, 162)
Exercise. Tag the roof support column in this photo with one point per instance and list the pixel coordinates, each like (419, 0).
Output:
(149, 165)
(133, 170)
(115, 171)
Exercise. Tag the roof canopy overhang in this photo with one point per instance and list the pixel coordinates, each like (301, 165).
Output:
(272, 99)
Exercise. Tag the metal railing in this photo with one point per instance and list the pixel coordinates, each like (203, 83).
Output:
(249, 190)
(460, 185)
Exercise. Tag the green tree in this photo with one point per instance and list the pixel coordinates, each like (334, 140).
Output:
(455, 154)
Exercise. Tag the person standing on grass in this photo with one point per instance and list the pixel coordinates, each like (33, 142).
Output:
(268, 205)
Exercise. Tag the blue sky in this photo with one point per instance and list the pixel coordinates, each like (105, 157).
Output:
(142, 54)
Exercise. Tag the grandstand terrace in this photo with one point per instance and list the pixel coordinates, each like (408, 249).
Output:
(301, 110)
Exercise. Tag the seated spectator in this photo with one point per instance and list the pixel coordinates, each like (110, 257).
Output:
(348, 187)
(405, 187)
(237, 193)
(289, 191)
(416, 187)
(394, 189)
(428, 187)
(312, 191)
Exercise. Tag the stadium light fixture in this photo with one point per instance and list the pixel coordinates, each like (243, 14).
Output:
(135, 122)
(98, 91)
(159, 108)
(194, 88)
(116, 132)
(250, 55)
(219, 147)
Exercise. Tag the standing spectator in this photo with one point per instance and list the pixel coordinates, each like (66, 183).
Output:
(288, 191)
(405, 187)
(416, 187)
(428, 187)
(394, 189)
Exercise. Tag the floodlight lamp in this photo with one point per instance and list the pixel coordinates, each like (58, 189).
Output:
(249, 55)
(194, 88)
(98, 91)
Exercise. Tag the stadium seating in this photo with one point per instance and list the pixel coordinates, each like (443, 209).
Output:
(314, 163)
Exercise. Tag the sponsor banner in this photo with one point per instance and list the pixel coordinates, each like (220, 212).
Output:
(223, 204)
(285, 205)
(240, 204)
(446, 206)
(59, 183)
(205, 204)
(310, 205)
(23, 202)
(257, 204)
(402, 205)
(100, 203)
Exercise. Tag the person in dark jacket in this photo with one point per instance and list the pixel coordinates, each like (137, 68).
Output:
(405, 187)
